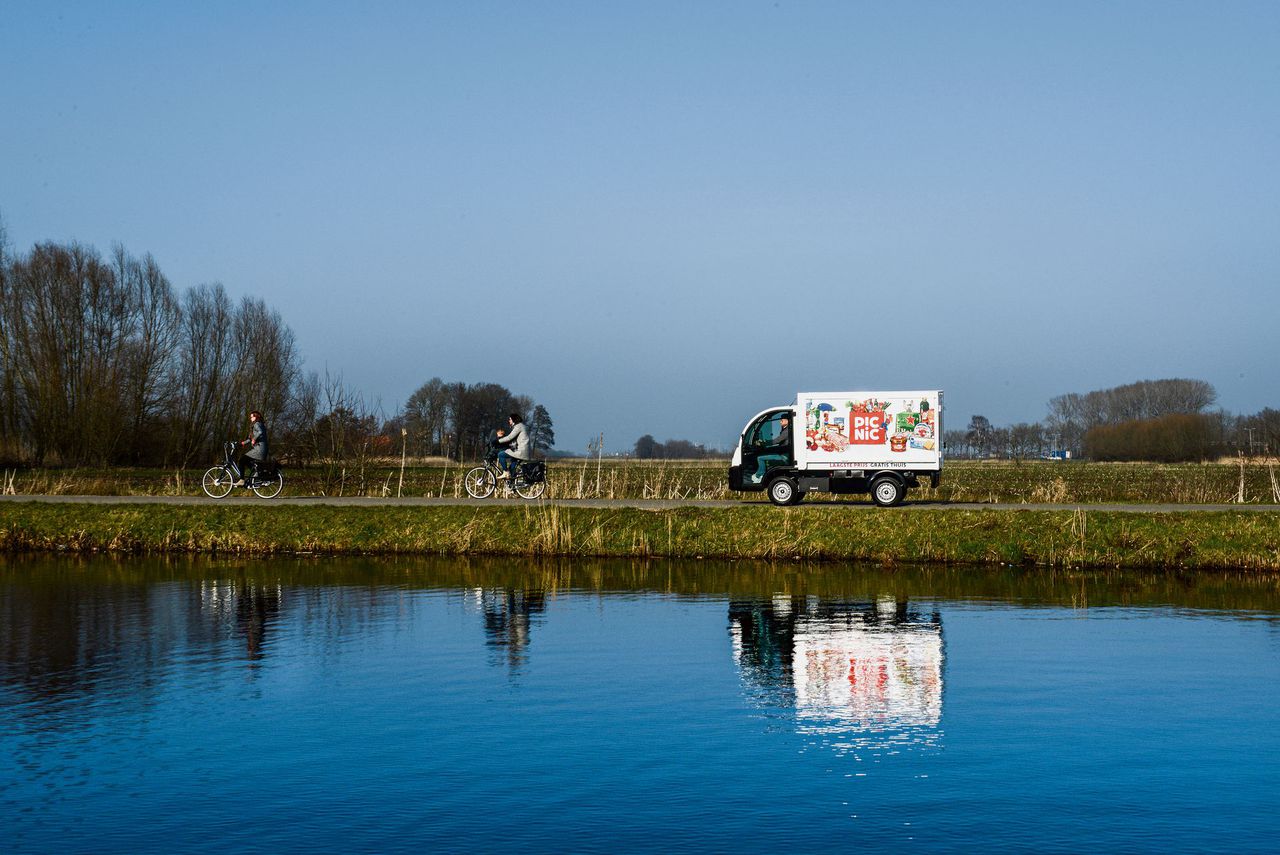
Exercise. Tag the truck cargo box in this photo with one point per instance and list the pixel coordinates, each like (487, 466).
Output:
(869, 430)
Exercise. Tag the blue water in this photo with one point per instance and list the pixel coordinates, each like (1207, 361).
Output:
(286, 707)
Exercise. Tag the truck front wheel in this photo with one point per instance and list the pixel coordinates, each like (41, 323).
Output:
(887, 492)
(782, 491)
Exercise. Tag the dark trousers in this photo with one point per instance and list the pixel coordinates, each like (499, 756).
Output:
(248, 466)
(508, 462)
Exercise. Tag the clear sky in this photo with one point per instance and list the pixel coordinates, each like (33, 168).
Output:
(662, 217)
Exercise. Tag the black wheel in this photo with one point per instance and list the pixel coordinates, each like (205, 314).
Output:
(782, 491)
(479, 483)
(217, 482)
(530, 491)
(887, 492)
(269, 488)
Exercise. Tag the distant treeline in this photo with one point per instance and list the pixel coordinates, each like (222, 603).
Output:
(104, 362)
(1161, 420)
(648, 448)
(457, 420)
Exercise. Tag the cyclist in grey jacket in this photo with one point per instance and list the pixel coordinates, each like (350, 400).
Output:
(516, 441)
(258, 447)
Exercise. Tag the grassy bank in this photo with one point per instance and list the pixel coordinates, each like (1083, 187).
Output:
(1031, 537)
(963, 481)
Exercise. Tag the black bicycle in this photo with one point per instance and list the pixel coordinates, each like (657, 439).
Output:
(267, 480)
(529, 482)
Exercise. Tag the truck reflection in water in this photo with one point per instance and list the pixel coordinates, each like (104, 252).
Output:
(865, 675)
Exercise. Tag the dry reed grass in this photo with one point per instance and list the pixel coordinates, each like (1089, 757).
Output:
(1031, 482)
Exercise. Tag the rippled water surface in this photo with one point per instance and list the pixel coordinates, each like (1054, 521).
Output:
(418, 706)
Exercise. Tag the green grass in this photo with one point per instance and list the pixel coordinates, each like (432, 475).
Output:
(1230, 540)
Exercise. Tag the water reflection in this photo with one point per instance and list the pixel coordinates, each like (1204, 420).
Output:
(369, 705)
(842, 647)
(68, 638)
(867, 674)
(508, 620)
(252, 609)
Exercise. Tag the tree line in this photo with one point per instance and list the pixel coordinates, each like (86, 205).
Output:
(104, 362)
(1161, 420)
(457, 420)
(648, 448)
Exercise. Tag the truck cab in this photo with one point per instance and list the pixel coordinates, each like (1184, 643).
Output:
(766, 447)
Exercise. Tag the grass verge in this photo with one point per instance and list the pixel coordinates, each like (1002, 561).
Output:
(1228, 540)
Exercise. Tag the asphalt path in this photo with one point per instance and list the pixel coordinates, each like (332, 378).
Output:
(645, 504)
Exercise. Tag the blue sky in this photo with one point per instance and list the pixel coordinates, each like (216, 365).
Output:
(687, 211)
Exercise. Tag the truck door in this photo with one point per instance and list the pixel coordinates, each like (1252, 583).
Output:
(768, 443)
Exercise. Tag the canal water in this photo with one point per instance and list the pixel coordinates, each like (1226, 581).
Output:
(444, 705)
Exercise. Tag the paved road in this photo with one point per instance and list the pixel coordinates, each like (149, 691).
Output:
(647, 504)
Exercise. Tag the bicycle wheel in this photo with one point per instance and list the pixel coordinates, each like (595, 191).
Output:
(479, 483)
(269, 488)
(217, 482)
(530, 491)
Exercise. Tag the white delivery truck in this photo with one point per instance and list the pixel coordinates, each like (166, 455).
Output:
(882, 443)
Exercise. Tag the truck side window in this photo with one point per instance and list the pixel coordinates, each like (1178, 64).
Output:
(766, 432)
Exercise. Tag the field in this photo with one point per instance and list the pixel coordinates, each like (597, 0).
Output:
(1033, 482)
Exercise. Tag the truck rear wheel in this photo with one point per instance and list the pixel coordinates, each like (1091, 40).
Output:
(782, 491)
(887, 492)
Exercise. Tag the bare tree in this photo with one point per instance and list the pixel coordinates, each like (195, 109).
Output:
(293, 431)
(10, 434)
(205, 373)
(426, 417)
(1025, 440)
(343, 437)
(979, 435)
(266, 360)
(956, 443)
(152, 343)
(66, 325)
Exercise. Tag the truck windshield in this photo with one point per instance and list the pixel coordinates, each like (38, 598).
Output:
(769, 431)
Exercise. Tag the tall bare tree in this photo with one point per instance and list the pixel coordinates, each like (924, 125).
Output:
(152, 342)
(66, 324)
(205, 373)
(266, 359)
